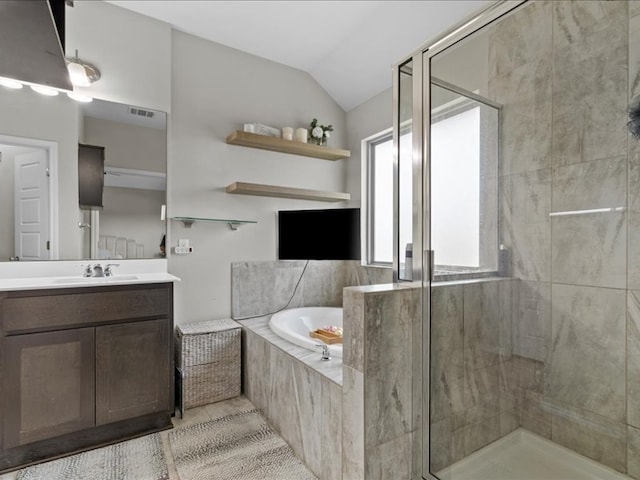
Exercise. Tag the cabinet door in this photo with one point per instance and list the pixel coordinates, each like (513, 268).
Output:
(48, 385)
(133, 370)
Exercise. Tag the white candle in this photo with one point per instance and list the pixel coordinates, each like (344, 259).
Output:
(287, 133)
(301, 135)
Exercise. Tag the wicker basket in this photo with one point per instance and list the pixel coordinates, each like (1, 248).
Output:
(208, 362)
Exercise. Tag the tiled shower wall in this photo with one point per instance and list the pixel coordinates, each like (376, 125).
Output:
(565, 72)
(473, 397)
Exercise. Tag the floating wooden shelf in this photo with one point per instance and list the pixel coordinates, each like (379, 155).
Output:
(243, 188)
(276, 144)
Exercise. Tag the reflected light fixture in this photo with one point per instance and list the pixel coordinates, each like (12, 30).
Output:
(10, 83)
(79, 98)
(82, 74)
(42, 90)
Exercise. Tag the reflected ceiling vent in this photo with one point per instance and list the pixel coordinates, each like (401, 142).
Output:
(141, 112)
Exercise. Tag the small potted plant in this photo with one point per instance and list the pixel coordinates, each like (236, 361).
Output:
(320, 133)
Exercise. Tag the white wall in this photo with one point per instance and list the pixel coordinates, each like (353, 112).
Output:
(215, 89)
(369, 118)
(128, 146)
(132, 52)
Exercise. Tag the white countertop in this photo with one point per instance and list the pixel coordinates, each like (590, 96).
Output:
(40, 283)
(68, 274)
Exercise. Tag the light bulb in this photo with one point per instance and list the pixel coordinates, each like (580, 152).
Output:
(42, 90)
(10, 83)
(78, 75)
(79, 98)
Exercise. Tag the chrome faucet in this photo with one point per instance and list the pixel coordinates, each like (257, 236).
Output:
(87, 271)
(326, 355)
(107, 269)
(97, 271)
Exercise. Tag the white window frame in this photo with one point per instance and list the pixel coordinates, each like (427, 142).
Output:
(367, 224)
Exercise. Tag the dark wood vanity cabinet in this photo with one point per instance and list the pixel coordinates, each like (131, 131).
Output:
(83, 367)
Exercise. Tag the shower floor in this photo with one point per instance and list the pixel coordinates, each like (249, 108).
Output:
(522, 455)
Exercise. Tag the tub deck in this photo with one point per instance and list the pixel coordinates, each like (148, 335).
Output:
(331, 369)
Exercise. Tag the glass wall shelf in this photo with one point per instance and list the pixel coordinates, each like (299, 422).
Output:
(233, 224)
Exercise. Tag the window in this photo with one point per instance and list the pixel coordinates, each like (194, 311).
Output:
(464, 182)
(378, 172)
(464, 188)
(379, 199)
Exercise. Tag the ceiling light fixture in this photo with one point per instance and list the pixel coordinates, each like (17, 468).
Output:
(82, 74)
(42, 90)
(10, 83)
(79, 98)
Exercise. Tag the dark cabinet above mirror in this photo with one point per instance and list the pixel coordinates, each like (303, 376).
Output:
(90, 175)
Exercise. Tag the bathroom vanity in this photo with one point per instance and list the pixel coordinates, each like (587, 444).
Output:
(83, 366)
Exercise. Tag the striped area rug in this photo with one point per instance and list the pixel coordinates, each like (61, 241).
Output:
(138, 459)
(241, 446)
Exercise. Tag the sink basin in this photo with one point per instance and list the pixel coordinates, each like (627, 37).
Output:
(115, 278)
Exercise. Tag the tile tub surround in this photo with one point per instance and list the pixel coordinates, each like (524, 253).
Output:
(378, 392)
(565, 73)
(298, 393)
(261, 288)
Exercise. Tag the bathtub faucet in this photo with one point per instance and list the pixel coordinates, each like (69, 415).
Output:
(325, 352)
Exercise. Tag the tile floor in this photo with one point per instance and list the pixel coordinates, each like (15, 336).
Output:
(520, 455)
(192, 416)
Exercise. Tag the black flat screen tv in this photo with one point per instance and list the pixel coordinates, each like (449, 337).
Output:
(331, 234)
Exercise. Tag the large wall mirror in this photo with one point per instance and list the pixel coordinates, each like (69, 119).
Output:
(40, 216)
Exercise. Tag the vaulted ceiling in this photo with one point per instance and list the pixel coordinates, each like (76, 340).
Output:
(349, 47)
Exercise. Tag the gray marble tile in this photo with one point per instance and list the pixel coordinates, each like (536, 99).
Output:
(633, 250)
(590, 249)
(508, 295)
(481, 394)
(389, 460)
(353, 425)
(526, 226)
(388, 382)
(533, 416)
(256, 369)
(577, 20)
(259, 288)
(532, 324)
(331, 446)
(586, 366)
(260, 326)
(595, 437)
(520, 38)
(590, 185)
(228, 407)
(481, 433)
(353, 337)
(590, 93)
(525, 96)
(634, 49)
(358, 274)
(296, 407)
(633, 358)
(446, 351)
(481, 325)
(447, 445)
(633, 452)
(323, 282)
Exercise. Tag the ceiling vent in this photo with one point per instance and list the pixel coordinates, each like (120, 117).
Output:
(141, 112)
